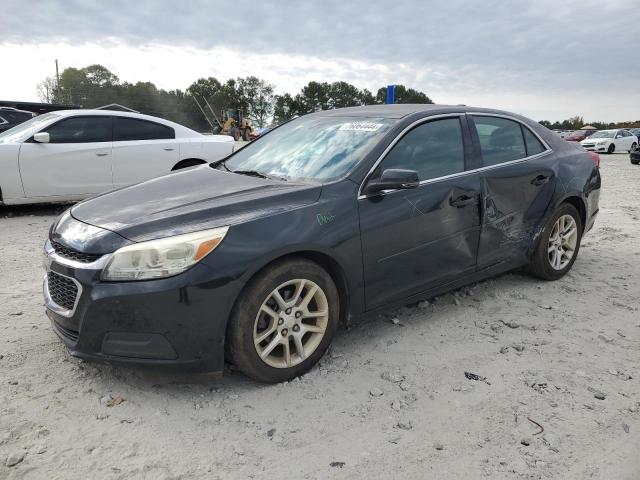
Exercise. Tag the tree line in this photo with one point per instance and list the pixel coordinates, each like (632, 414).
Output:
(95, 86)
(577, 122)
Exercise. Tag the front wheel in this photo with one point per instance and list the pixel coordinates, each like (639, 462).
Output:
(558, 244)
(611, 149)
(283, 321)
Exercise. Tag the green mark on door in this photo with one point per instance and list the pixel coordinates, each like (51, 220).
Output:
(324, 219)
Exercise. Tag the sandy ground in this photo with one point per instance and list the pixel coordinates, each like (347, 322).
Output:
(390, 400)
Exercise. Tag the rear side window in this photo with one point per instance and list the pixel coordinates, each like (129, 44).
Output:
(128, 129)
(534, 146)
(434, 149)
(80, 130)
(501, 140)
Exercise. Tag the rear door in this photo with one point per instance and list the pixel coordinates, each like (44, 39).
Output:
(518, 182)
(413, 240)
(142, 150)
(76, 162)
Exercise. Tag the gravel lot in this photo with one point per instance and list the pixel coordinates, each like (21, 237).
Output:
(390, 400)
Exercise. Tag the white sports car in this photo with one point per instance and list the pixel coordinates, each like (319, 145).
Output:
(73, 154)
(610, 141)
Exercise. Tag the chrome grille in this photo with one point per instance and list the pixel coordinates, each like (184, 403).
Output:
(73, 254)
(62, 290)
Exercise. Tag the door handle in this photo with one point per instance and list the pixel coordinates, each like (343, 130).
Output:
(169, 149)
(462, 201)
(540, 180)
(102, 154)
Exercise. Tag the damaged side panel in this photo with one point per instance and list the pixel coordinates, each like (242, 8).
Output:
(514, 197)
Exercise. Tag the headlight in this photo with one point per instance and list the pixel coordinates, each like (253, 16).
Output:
(162, 258)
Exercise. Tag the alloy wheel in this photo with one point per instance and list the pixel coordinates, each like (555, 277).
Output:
(291, 323)
(562, 242)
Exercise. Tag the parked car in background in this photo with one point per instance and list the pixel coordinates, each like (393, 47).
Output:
(635, 131)
(10, 117)
(634, 155)
(610, 141)
(563, 133)
(579, 135)
(69, 155)
(257, 133)
(331, 217)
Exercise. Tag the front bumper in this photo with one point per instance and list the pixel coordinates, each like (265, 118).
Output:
(595, 148)
(177, 322)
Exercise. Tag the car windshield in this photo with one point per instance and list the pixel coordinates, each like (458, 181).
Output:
(603, 134)
(27, 128)
(313, 148)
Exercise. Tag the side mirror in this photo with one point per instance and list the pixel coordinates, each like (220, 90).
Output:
(393, 179)
(42, 137)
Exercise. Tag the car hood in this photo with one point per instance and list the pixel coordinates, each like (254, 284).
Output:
(595, 140)
(190, 200)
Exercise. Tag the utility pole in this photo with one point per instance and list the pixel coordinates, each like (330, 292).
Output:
(57, 83)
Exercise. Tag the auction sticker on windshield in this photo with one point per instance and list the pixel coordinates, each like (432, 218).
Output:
(360, 127)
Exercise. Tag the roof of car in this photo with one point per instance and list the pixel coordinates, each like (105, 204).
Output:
(401, 110)
(113, 113)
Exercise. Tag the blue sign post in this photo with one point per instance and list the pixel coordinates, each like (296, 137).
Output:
(391, 91)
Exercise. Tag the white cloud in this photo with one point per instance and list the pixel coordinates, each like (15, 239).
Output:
(176, 67)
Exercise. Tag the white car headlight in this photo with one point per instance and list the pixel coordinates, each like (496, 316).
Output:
(162, 258)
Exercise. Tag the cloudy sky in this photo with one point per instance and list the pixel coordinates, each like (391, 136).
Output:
(547, 59)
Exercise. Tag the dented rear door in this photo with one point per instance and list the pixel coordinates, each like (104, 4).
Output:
(516, 192)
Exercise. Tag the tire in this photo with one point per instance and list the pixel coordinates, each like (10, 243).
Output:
(634, 162)
(633, 147)
(259, 315)
(543, 259)
(611, 149)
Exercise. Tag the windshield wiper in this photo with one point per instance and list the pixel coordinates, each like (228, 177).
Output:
(250, 173)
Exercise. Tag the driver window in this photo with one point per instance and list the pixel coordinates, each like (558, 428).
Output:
(433, 149)
(80, 130)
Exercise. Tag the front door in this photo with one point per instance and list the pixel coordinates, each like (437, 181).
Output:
(416, 239)
(75, 163)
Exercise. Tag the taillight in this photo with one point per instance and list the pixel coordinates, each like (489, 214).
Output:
(596, 158)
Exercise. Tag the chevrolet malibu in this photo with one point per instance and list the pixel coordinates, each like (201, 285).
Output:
(69, 155)
(331, 217)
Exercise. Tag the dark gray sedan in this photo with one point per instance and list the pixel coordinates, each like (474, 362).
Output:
(336, 215)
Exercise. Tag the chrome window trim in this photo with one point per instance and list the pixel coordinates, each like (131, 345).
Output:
(547, 151)
(53, 306)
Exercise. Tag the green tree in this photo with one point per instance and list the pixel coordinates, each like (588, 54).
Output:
(258, 98)
(285, 107)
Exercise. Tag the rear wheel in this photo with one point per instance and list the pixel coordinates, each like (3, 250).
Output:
(611, 149)
(283, 321)
(558, 244)
(633, 147)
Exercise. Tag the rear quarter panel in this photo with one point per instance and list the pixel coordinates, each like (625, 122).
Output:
(208, 148)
